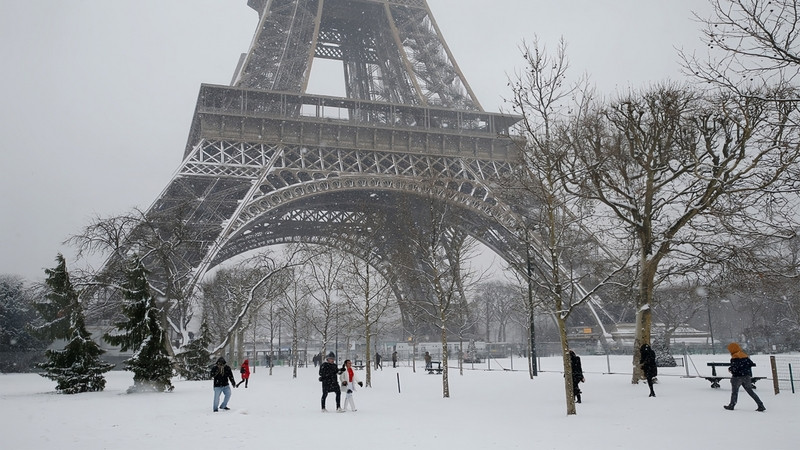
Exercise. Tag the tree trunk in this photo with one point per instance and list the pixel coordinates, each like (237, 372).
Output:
(239, 347)
(445, 380)
(368, 359)
(643, 316)
(567, 362)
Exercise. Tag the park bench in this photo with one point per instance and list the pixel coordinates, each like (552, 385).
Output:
(358, 364)
(437, 369)
(715, 379)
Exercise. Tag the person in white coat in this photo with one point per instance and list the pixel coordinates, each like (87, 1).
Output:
(349, 379)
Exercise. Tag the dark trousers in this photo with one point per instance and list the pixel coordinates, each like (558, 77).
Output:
(338, 396)
(650, 385)
(745, 383)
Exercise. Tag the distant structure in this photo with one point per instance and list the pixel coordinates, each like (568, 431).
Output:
(266, 163)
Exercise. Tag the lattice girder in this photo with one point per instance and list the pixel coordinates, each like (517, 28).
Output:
(391, 51)
(300, 171)
(266, 163)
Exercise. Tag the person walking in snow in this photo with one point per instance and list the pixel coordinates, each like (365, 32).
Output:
(349, 380)
(647, 359)
(378, 359)
(741, 374)
(428, 361)
(328, 375)
(577, 375)
(245, 372)
(394, 359)
(221, 373)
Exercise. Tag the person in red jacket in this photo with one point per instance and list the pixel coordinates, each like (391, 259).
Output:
(245, 371)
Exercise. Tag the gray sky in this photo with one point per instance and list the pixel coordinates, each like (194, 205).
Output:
(97, 95)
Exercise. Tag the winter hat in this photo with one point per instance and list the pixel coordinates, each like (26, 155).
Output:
(221, 361)
(736, 350)
(331, 356)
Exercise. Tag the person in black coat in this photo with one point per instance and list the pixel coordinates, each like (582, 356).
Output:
(647, 360)
(741, 370)
(577, 375)
(329, 376)
(221, 373)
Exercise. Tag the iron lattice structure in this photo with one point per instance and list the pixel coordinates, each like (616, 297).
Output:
(266, 163)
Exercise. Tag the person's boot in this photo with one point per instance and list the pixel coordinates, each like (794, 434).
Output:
(761, 408)
(728, 407)
(652, 394)
(578, 399)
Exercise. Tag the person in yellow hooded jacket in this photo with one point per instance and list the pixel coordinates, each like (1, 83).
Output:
(741, 372)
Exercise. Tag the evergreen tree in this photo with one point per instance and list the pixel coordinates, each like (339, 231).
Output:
(664, 357)
(19, 347)
(143, 334)
(77, 367)
(195, 360)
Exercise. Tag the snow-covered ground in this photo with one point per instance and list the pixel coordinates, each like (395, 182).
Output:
(497, 409)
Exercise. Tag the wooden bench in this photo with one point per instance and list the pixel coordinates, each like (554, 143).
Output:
(358, 364)
(715, 379)
(438, 369)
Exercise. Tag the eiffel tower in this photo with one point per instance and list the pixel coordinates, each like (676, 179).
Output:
(267, 163)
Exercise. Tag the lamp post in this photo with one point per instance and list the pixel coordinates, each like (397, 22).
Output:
(710, 328)
(336, 343)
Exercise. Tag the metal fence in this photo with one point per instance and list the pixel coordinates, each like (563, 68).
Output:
(785, 373)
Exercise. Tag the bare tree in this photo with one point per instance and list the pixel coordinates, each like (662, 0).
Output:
(677, 307)
(497, 301)
(234, 295)
(295, 305)
(752, 45)
(668, 164)
(271, 315)
(165, 255)
(324, 276)
(224, 296)
(560, 248)
(443, 253)
(369, 297)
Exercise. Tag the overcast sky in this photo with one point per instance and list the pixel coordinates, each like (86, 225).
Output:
(96, 96)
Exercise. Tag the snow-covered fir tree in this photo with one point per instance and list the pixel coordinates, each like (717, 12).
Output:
(143, 334)
(663, 356)
(77, 367)
(18, 344)
(194, 361)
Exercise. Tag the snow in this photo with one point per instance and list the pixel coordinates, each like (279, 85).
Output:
(498, 409)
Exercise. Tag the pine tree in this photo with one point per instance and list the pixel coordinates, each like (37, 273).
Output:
(664, 357)
(142, 332)
(195, 360)
(77, 367)
(19, 347)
